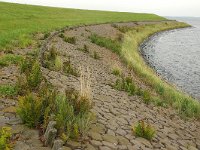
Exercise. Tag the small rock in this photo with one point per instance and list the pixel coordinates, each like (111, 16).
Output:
(123, 140)
(10, 109)
(14, 121)
(108, 144)
(145, 142)
(122, 147)
(30, 133)
(121, 132)
(74, 144)
(95, 136)
(90, 147)
(50, 133)
(65, 148)
(34, 143)
(97, 129)
(170, 147)
(17, 129)
(57, 144)
(173, 136)
(110, 138)
(21, 146)
(39, 148)
(104, 148)
(111, 132)
(96, 143)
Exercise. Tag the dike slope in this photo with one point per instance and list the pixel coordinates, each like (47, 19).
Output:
(115, 111)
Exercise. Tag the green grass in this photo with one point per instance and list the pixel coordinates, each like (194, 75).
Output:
(114, 45)
(19, 22)
(144, 130)
(58, 63)
(8, 90)
(185, 105)
(116, 71)
(71, 40)
(8, 59)
(5, 136)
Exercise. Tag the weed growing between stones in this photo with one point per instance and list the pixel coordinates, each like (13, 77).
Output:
(5, 135)
(58, 63)
(50, 58)
(26, 65)
(38, 106)
(113, 45)
(146, 97)
(72, 115)
(124, 29)
(84, 49)
(126, 84)
(52, 53)
(114, 25)
(8, 90)
(144, 130)
(34, 78)
(116, 70)
(159, 102)
(61, 35)
(82, 34)
(71, 40)
(29, 109)
(54, 62)
(8, 59)
(68, 69)
(31, 75)
(95, 55)
(33, 53)
(46, 35)
(120, 37)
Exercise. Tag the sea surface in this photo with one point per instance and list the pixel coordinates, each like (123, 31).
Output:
(175, 56)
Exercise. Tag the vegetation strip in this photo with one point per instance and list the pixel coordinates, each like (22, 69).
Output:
(185, 105)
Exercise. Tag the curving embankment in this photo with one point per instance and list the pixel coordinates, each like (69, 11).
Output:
(116, 110)
(185, 105)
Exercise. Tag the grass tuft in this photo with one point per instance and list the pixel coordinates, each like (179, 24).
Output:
(29, 110)
(71, 40)
(8, 59)
(34, 78)
(68, 69)
(58, 63)
(84, 49)
(8, 90)
(126, 84)
(116, 70)
(95, 55)
(144, 130)
(113, 45)
(5, 136)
